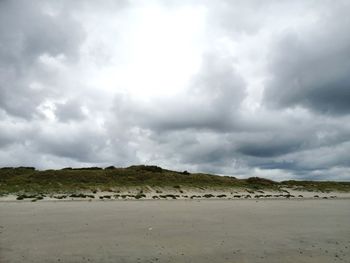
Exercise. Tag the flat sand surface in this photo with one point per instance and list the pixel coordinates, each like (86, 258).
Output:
(176, 231)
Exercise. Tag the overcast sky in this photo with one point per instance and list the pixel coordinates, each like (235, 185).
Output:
(242, 88)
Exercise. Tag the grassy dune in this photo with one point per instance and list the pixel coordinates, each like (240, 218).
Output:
(28, 179)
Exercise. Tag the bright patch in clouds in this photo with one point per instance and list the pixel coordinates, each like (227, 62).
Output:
(162, 51)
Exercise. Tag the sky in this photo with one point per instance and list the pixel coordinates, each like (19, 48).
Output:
(232, 87)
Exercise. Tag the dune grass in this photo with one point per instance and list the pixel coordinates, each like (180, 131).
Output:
(28, 179)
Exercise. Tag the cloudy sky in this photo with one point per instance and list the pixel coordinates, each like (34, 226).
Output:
(242, 88)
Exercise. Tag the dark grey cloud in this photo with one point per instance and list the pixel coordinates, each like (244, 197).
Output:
(310, 68)
(29, 33)
(70, 110)
(70, 142)
(270, 147)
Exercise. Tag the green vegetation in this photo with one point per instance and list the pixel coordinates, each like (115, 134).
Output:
(72, 180)
(323, 186)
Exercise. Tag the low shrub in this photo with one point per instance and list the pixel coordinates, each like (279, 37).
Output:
(138, 196)
(60, 196)
(88, 168)
(78, 195)
(168, 196)
(149, 168)
(25, 196)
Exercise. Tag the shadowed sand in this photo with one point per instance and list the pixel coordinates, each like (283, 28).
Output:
(176, 231)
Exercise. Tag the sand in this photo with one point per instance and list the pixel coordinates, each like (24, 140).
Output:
(176, 231)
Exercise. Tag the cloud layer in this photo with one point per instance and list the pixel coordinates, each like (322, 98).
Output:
(237, 88)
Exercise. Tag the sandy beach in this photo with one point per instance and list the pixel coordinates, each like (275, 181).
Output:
(176, 231)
